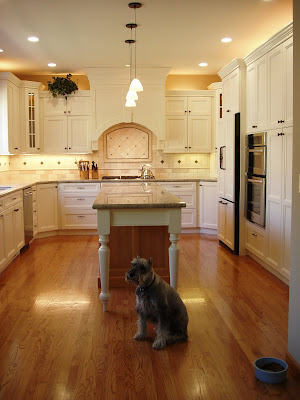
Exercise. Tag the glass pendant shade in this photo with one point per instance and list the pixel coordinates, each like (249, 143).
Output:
(136, 85)
(131, 95)
(130, 103)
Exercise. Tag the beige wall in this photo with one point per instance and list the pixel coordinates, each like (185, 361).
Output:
(81, 80)
(190, 82)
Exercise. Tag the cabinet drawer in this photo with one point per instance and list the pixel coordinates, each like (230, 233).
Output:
(178, 186)
(12, 199)
(79, 221)
(79, 187)
(188, 198)
(255, 240)
(84, 201)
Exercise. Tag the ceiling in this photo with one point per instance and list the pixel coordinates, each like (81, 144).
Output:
(171, 33)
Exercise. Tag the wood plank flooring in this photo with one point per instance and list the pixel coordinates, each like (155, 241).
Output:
(56, 343)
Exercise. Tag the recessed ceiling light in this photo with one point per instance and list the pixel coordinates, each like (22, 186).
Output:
(203, 64)
(1, 50)
(51, 65)
(226, 40)
(33, 39)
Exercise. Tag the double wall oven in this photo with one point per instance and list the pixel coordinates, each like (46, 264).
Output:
(256, 160)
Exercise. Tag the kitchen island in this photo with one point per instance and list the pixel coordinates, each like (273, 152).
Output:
(136, 204)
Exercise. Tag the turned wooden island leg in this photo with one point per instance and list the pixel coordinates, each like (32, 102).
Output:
(104, 254)
(173, 260)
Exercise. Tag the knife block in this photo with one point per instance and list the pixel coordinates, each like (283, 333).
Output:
(84, 174)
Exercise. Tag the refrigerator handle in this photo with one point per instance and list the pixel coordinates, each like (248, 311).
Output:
(222, 157)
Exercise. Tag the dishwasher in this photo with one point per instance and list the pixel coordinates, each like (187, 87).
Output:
(28, 214)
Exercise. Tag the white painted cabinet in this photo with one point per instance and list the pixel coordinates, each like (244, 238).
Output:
(2, 242)
(30, 117)
(208, 205)
(75, 203)
(46, 207)
(279, 199)
(186, 191)
(280, 86)
(188, 123)
(257, 95)
(67, 124)
(9, 114)
(226, 222)
(11, 227)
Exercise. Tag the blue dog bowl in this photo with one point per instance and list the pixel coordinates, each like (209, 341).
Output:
(270, 369)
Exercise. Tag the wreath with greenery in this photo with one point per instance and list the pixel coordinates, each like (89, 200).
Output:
(62, 86)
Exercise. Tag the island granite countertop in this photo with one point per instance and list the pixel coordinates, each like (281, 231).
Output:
(136, 195)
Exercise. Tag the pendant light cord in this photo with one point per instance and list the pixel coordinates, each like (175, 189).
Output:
(135, 43)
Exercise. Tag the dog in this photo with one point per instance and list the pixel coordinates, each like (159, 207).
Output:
(159, 303)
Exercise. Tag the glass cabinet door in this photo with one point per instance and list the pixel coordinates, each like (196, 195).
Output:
(32, 120)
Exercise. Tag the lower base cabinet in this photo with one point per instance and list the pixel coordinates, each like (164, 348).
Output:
(47, 214)
(208, 205)
(226, 222)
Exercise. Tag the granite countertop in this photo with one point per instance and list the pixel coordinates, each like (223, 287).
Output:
(136, 195)
(12, 187)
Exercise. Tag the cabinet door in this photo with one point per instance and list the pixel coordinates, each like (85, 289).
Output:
(79, 105)
(234, 77)
(18, 223)
(208, 205)
(55, 106)
(262, 94)
(275, 88)
(288, 82)
(251, 96)
(226, 97)
(32, 122)
(221, 221)
(2, 243)
(176, 105)
(176, 134)
(10, 245)
(55, 134)
(199, 134)
(47, 214)
(199, 105)
(229, 182)
(229, 225)
(79, 134)
(221, 145)
(13, 100)
(274, 195)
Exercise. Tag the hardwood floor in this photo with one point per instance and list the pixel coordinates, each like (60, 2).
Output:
(56, 343)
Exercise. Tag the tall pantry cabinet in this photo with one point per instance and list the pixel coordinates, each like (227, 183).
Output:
(270, 89)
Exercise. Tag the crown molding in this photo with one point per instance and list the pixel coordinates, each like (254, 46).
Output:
(215, 86)
(189, 93)
(270, 44)
(10, 77)
(236, 63)
(31, 84)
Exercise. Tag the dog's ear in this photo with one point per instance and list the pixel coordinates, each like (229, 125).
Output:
(150, 262)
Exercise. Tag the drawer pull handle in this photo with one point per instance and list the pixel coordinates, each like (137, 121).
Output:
(80, 216)
(80, 188)
(254, 234)
(80, 199)
(16, 210)
(14, 198)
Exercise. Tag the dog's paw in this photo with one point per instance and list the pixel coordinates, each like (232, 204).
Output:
(159, 344)
(139, 336)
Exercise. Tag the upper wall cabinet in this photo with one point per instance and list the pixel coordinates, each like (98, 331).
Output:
(30, 117)
(257, 95)
(66, 123)
(280, 75)
(9, 114)
(188, 122)
(270, 83)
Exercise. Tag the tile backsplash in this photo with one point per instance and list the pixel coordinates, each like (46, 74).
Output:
(64, 166)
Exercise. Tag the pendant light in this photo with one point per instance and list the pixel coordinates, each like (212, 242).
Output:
(135, 85)
(131, 95)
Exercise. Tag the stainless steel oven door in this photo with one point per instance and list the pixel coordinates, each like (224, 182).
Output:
(256, 199)
(256, 160)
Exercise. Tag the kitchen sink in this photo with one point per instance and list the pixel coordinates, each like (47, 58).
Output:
(5, 187)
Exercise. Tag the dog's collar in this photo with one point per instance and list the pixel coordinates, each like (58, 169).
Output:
(143, 287)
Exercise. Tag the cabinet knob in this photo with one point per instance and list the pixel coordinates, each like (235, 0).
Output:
(38, 148)
(69, 112)
(254, 234)
(69, 148)
(189, 111)
(185, 147)
(16, 148)
(189, 147)
(185, 111)
(227, 110)
(16, 210)
(254, 126)
(66, 148)
(65, 112)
